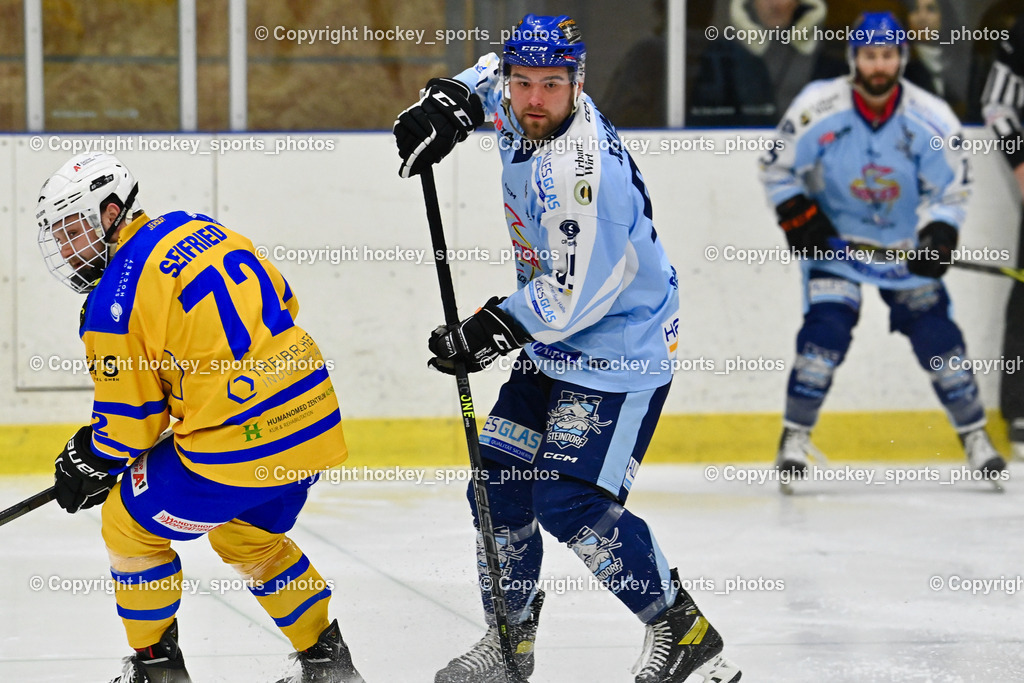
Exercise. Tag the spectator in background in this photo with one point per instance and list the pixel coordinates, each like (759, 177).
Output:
(1002, 104)
(749, 83)
(637, 88)
(930, 53)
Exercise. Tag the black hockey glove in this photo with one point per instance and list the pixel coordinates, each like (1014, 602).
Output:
(427, 131)
(80, 475)
(476, 341)
(806, 225)
(935, 244)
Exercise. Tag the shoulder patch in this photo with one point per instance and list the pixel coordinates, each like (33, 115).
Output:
(583, 193)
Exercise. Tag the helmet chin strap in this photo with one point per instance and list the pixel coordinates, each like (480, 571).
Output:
(513, 122)
(578, 85)
(129, 200)
(506, 104)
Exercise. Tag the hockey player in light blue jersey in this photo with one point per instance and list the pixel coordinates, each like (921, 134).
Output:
(597, 314)
(867, 159)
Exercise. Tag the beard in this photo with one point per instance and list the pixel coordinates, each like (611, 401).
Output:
(537, 130)
(876, 87)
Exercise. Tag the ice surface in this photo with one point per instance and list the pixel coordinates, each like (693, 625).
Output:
(855, 561)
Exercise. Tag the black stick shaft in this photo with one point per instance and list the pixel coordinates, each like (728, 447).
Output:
(483, 505)
(991, 270)
(1015, 273)
(28, 505)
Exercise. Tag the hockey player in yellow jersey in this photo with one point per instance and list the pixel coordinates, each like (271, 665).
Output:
(184, 321)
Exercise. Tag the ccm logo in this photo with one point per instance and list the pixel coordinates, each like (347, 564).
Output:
(560, 456)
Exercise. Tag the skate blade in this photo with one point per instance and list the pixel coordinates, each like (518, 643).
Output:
(998, 486)
(785, 489)
(718, 669)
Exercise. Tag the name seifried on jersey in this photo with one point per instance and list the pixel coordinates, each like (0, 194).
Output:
(204, 331)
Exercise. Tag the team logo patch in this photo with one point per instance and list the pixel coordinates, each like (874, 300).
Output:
(572, 418)
(116, 311)
(596, 552)
(583, 193)
(874, 186)
(510, 437)
(139, 482)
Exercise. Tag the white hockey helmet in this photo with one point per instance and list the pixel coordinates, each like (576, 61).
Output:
(73, 242)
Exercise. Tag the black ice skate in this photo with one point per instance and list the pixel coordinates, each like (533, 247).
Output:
(682, 642)
(160, 663)
(326, 661)
(483, 662)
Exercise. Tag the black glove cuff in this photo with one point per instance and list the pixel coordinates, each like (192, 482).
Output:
(518, 332)
(938, 235)
(81, 443)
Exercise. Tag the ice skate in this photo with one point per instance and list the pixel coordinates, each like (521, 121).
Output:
(326, 661)
(484, 664)
(682, 642)
(983, 456)
(160, 663)
(791, 460)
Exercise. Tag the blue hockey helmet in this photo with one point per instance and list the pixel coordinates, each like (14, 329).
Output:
(877, 28)
(546, 41)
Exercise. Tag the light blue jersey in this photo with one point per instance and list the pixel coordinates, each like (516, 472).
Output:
(595, 287)
(876, 186)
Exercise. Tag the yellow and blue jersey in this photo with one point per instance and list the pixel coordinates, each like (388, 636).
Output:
(187, 322)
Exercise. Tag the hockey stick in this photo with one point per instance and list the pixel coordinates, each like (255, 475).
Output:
(1015, 273)
(483, 505)
(28, 505)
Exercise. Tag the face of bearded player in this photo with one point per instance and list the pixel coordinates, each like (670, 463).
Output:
(80, 247)
(878, 68)
(541, 97)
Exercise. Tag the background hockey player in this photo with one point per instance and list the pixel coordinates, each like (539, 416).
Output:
(572, 408)
(180, 288)
(856, 162)
(1003, 104)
